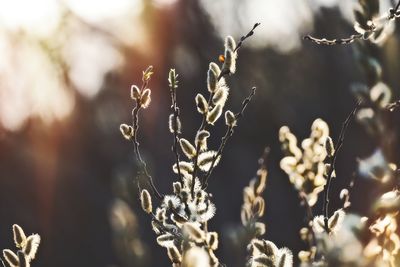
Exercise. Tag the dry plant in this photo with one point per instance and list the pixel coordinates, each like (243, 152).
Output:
(27, 247)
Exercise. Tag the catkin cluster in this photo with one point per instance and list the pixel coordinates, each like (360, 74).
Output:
(261, 253)
(253, 207)
(180, 219)
(369, 26)
(305, 167)
(27, 248)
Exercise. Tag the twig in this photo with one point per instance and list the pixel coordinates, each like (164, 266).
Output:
(135, 118)
(309, 217)
(228, 134)
(203, 124)
(393, 13)
(392, 106)
(325, 41)
(243, 38)
(338, 146)
(175, 110)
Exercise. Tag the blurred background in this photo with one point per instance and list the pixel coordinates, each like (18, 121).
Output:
(66, 67)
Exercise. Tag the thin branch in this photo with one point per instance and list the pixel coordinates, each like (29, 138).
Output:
(228, 134)
(309, 217)
(175, 110)
(393, 13)
(203, 124)
(243, 38)
(393, 106)
(338, 146)
(141, 162)
(325, 41)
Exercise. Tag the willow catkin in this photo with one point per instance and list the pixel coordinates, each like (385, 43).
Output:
(201, 139)
(230, 43)
(212, 80)
(196, 257)
(260, 228)
(32, 245)
(221, 95)
(174, 254)
(259, 206)
(336, 220)
(329, 147)
(215, 68)
(177, 187)
(230, 61)
(285, 258)
(230, 118)
(201, 104)
(174, 124)
(183, 166)
(269, 248)
(205, 160)
(193, 232)
(263, 261)
(10, 258)
(135, 92)
(172, 79)
(19, 236)
(145, 98)
(126, 131)
(212, 240)
(188, 149)
(214, 114)
(145, 200)
(165, 240)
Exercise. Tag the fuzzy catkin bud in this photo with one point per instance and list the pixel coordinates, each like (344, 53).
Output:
(329, 147)
(193, 232)
(10, 258)
(174, 124)
(145, 99)
(221, 95)
(201, 139)
(285, 258)
(214, 114)
(188, 149)
(172, 79)
(230, 61)
(215, 68)
(212, 80)
(145, 200)
(177, 187)
(230, 43)
(165, 240)
(147, 74)
(201, 104)
(206, 158)
(135, 92)
(230, 118)
(127, 131)
(212, 240)
(183, 166)
(263, 261)
(19, 236)
(174, 254)
(32, 245)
